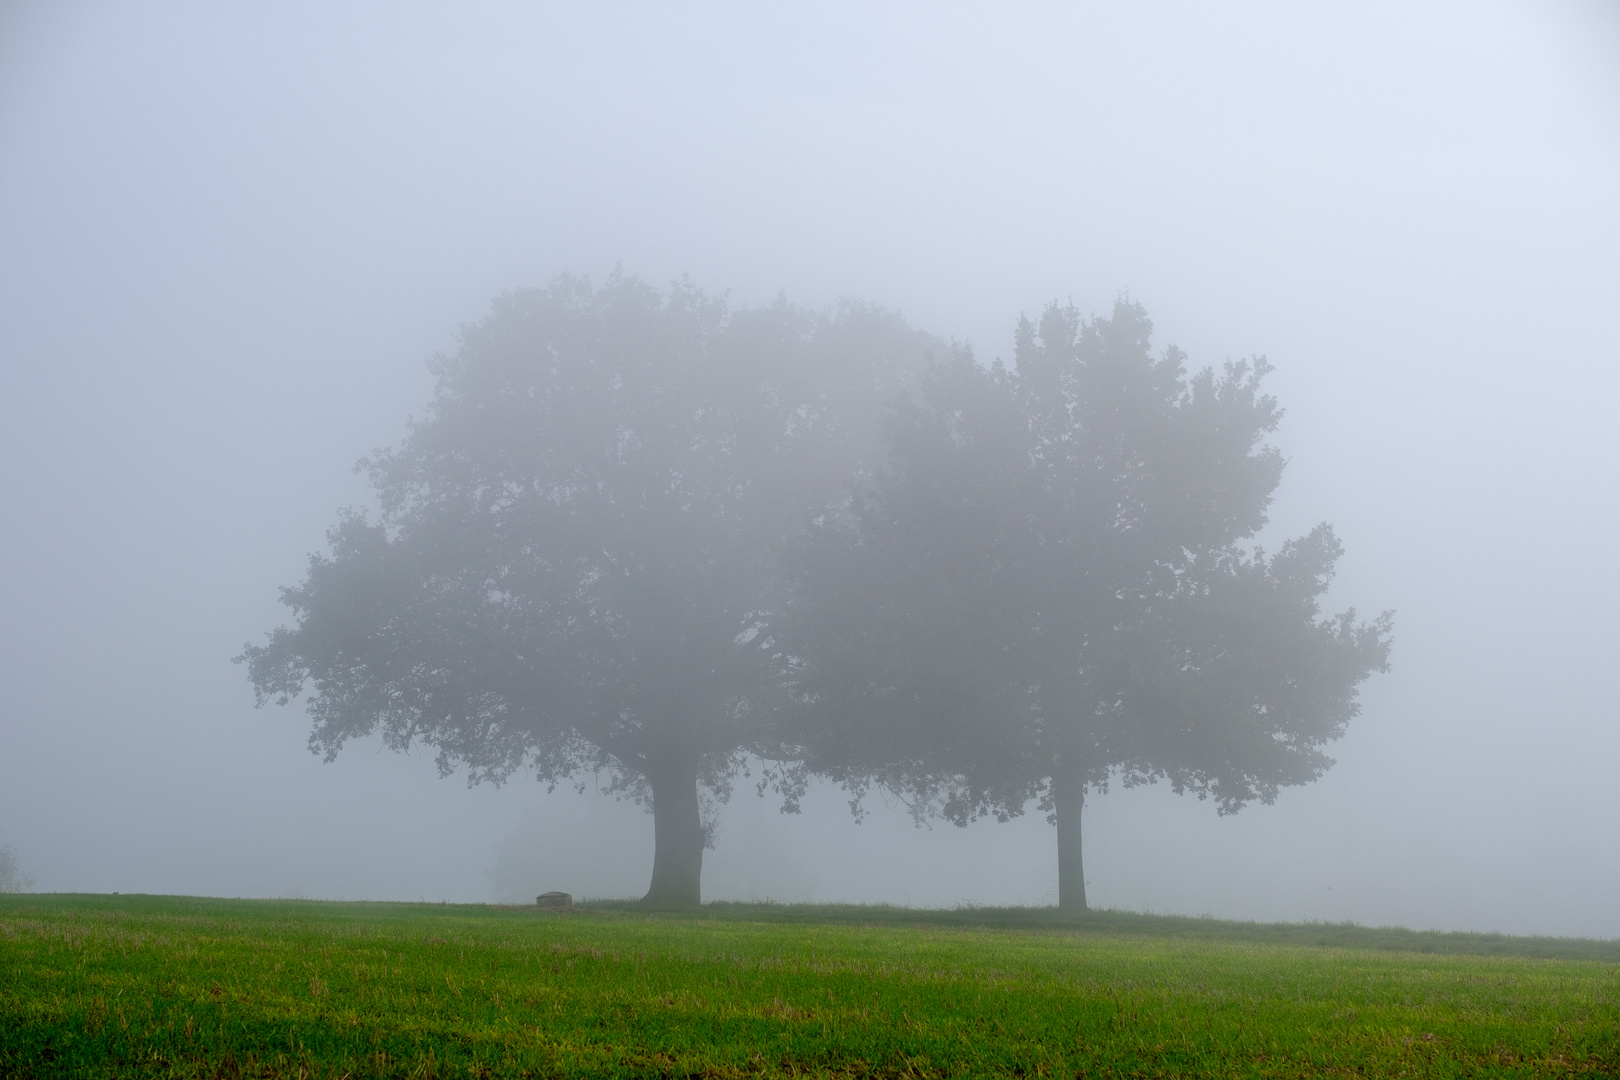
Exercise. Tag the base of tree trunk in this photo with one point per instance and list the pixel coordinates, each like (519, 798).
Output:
(1068, 800)
(677, 877)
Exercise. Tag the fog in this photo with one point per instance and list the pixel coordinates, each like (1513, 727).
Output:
(230, 239)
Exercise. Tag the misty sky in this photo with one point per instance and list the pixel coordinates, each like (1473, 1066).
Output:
(231, 236)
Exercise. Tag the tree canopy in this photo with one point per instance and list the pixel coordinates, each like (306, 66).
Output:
(579, 545)
(642, 535)
(1045, 589)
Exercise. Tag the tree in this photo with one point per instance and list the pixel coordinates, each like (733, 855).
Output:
(578, 547)
(1044, 590)
(11, 875)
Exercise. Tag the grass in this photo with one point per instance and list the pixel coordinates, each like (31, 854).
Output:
(95, 986)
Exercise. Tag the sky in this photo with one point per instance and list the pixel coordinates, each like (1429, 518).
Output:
(231, 237)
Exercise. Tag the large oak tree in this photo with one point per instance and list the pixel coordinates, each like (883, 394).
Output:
(578, 546)
(1045, 589)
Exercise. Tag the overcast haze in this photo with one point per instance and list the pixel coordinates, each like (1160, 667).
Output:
(230, 238)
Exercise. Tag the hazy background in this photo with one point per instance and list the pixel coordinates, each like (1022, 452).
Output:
(230, 236)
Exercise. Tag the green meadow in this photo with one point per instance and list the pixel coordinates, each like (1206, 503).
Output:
(102, 986)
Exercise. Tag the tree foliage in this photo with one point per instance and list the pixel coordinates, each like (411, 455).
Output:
(579, 568)
(1045, 589)
(579, 545)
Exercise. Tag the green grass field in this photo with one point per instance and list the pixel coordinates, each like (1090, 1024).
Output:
(164, 986)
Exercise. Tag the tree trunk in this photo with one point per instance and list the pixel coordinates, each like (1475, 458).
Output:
(677, 839)
(1068, 800)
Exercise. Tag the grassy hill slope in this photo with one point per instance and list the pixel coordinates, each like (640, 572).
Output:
(174, 986)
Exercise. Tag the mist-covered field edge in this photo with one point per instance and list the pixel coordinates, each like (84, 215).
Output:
(1107, 922)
